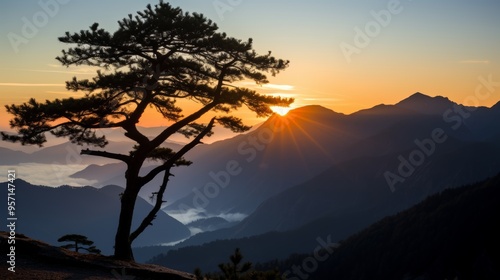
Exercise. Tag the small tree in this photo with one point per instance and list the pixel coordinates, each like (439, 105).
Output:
(77, 240)
(236, 270)
(160, 56)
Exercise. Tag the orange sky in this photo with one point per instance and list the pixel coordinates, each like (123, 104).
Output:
(435, 48)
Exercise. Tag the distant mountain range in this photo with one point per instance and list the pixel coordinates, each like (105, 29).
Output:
(450, 235)
(313, 171)
(47, 213)
(369, 178)
(314, 139)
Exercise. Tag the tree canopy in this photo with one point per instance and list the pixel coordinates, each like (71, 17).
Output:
(76, 240)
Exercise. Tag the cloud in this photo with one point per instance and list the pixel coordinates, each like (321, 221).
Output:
(81, 72)
(233, 217)
(188, 216)
(194, 214)
(36, 173)
(264, 86)
(30, 85)
(474, 61)
(278, 87)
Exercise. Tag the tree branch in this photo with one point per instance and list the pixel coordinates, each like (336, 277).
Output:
(121, 157)
(180, 124)
(153, 173)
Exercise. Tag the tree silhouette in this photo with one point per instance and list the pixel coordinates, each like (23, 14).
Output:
(235, 270)
(77, 239)
(154, 59)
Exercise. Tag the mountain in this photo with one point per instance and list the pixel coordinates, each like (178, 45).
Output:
(244, 171)
(376, 176)
(457, 224)
(425, 104)
(60, 154)
(100, 172)
(354, 194)
(451, 235)
(360, 186)
(48, 213)
(11, 157)
(286, 151)
(313, 138)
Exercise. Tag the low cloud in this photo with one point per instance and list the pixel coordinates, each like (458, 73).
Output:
(278, 87)
(193, 214)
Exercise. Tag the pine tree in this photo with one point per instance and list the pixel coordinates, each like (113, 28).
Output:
(77, 240)
(154, 59)
(236, 270)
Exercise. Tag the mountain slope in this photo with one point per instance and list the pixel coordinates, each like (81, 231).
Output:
(451, 235)
(279, 153)
(360, 185)
(457, 225)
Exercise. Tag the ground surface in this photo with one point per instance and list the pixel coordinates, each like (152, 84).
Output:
(38, 260)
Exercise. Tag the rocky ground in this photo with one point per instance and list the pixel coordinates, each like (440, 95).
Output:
(38, 260)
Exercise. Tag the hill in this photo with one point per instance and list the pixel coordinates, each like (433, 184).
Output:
(450, 235)
(38, 260)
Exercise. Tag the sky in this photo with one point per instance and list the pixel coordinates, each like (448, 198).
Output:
(344, 55)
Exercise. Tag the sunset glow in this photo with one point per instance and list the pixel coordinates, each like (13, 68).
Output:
(335, 61)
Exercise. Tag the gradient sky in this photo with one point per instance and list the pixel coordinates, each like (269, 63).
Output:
(434, 47)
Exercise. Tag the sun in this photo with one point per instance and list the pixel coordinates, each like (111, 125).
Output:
(280, 110)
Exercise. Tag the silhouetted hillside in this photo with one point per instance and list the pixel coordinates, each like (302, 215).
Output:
(40, 261)
(451, 235)
(355, 209)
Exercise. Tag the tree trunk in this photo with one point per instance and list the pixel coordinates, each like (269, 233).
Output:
(123, 245)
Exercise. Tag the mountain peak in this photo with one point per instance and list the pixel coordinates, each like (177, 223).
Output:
(312, 110)
(426, 104)
(419, 96)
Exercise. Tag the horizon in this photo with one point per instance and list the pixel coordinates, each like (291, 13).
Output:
(290, 109)
(337, 65)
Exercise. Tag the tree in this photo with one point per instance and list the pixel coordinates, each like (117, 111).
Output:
(78, 239)
(235, 270)
(154, 59)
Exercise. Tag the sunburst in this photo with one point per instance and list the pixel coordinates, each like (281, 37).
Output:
(280, 110)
